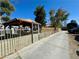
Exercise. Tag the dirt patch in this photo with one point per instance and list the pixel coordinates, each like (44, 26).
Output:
(73, 47)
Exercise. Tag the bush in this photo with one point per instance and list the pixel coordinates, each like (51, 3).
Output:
(72, 27)
(77, 38)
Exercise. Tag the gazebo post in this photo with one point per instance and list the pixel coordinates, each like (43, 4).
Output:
(32, 32)
(20, 36)
(38, 32)
(10, 31)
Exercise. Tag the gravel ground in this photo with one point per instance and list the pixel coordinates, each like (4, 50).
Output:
(73, 46)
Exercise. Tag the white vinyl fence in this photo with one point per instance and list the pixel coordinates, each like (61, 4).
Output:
(12, 42)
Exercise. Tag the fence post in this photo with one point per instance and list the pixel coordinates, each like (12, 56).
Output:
(4, 43)
(1, 45)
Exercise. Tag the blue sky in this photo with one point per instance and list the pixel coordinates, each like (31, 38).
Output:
(25, 8)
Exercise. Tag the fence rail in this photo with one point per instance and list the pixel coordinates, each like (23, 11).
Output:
(12, 42)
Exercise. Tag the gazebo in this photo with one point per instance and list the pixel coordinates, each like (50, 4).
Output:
(20, 21)
(24, 22)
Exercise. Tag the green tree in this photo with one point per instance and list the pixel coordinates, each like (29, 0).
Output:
(62, 15)
(52, 17)
(6, 7)
(57, 17)
(73, 21)
(73, 24)
(40, 15)
(6, 18)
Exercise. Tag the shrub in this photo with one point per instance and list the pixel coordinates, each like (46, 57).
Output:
(71, 26)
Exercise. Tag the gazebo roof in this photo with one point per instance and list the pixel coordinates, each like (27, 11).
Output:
(20, 21)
